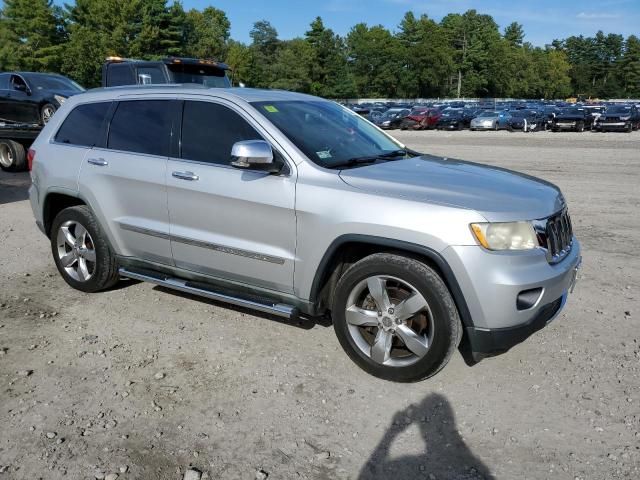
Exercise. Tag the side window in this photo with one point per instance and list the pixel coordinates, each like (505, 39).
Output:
(4, 81)
(209, 131)
(17, 83)
(148, 75)
(142, 126)
(84, 126)
(120, 74)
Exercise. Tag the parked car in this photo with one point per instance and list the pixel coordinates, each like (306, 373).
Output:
(117, 71)
(33, 98)
(526, 120)
(451, 119)
(620, 118)
(290, 181)
(487, 120)
(392, 118)
(575, 118)
(27, 102)
(421, 118)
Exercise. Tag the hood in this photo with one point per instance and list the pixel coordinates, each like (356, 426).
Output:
(496, 193)
(571, 116)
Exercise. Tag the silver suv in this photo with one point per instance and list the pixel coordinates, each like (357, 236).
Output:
(293, 205)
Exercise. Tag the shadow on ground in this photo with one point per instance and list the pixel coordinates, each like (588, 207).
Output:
(444, 455)
(14, 187)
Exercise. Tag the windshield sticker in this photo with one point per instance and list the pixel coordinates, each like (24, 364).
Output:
(270, 109)
(324, 154)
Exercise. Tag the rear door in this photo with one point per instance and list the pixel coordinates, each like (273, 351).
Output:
(124, 180)
(226, 222)
(20, 107)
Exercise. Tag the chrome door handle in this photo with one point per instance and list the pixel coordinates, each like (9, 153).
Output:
(101, 162)
(186, 176)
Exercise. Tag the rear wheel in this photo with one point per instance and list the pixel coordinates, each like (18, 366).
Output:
(580, 127)
(395, 318)
(81, 252)
(12, 156)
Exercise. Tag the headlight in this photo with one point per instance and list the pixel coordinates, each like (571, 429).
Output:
(60, 99)
(625, 118)
(505, 236)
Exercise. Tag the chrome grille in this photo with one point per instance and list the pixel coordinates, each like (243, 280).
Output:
(559, 236)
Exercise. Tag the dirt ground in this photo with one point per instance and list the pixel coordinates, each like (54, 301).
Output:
(144, 383)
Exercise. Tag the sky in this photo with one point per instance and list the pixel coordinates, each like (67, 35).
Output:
(543, 20)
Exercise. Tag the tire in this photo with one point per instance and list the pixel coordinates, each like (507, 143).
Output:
(46, 112)
(580, 127)
(629, 128)
(404, 126)
(437, 325)
(102, 270)
(12, 156)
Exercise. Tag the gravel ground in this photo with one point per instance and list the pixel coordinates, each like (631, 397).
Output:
(144, 383)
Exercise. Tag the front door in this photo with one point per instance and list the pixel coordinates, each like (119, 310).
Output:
(229, 223)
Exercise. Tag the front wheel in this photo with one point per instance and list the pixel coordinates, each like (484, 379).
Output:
(81, 252)
(395, 318)
(46, 112)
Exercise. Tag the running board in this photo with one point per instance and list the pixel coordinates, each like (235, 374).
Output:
(163, 280)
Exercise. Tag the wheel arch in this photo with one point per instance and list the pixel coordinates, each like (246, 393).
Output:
(54, 203)
(350, 248)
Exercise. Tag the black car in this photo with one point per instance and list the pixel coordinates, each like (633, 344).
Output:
(391, 119)
(452, 119)
(620, 117)
(572, 118)
(32, 98)
(117, 71)
(526, 120)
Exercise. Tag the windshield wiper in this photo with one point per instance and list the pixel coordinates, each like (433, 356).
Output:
(370, 158)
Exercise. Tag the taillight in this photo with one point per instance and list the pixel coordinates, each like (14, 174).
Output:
(31, 156)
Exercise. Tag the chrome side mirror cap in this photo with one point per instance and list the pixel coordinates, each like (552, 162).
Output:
(252, 154)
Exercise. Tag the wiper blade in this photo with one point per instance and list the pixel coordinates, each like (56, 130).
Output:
(372, 158)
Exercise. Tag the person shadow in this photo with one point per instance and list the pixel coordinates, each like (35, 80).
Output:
(445, 455)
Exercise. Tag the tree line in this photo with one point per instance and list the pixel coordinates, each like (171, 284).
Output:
(463, 55)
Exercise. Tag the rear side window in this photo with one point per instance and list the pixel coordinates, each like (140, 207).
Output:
(84, 126)
(141, 126)
(4, 81)
(209, 131)
(120, 74)
(150, 75)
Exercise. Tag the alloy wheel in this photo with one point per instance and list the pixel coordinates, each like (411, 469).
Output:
(47, 113)
(389, 321)
(76, 251)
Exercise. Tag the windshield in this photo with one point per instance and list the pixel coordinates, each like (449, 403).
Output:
(203, 75)
(327, 133)
(53, 82)
(619, 109)
(488, 114)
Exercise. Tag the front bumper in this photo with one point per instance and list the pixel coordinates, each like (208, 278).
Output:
(491, 283)
(614, 126)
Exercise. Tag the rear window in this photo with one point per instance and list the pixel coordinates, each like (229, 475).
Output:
(84, 126)
(206, 75)
(150, 75)
(120, 74)
(141, 126)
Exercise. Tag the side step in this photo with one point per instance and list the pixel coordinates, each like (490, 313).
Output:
(278, 309)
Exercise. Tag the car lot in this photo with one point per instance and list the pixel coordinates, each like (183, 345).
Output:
(154, 381)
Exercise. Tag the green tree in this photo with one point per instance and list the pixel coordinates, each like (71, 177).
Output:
(292, 65)
(264, 47)
(631, 67)
(207, 33)
(329, 74)
(514, 34)
(473, 37)
(239, 59)
(31, 35)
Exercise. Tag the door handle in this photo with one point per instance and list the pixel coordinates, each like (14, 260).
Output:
(101, 162)
(186, 176)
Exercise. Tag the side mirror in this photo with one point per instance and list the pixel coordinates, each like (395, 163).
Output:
(253, 154)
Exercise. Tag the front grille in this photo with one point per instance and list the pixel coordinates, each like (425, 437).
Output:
(559, 236)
